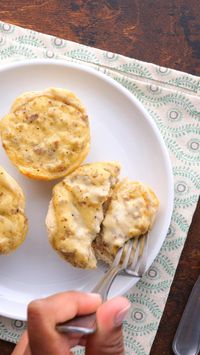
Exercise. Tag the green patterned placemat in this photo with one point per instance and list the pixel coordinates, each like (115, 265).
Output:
(172, 99)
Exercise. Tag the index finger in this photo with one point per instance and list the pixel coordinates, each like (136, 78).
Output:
(64, 306)
(43, 315)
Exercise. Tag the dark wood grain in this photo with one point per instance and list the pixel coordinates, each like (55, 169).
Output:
(186, 275)
(158, 31)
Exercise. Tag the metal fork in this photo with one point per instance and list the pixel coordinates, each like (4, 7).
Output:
(131, 259)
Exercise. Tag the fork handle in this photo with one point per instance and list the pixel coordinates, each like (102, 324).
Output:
(103, 286)
(87, 324)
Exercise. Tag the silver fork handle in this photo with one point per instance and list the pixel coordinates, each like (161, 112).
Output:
(87, 324)
(103, 286)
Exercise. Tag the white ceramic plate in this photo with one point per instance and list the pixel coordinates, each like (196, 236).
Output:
(121, 130)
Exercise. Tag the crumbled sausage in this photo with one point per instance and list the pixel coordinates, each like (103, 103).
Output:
(32, 118)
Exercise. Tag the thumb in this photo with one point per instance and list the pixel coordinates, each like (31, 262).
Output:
(109, 337)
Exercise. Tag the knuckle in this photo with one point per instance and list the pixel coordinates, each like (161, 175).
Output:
(36, 309)
(114, 346)
(72, 293)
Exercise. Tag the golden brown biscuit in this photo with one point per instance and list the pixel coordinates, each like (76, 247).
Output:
(131, 213)
(77, 210)
(13, 222)
(46, 134)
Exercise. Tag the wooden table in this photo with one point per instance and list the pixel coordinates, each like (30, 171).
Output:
(158, 31)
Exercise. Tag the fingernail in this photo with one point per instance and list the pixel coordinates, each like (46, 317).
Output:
(121, 315)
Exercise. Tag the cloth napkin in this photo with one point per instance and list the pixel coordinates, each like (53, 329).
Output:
(172, 99)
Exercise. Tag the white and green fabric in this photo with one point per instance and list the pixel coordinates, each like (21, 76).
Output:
(173, 100)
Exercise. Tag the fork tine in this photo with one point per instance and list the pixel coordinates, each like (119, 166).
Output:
(143, 258)
(135, 243)
(142, 245)
(123, 255)
(136, 254)
(118, 257)
(128, 250)
(138, 265)
(132, 256)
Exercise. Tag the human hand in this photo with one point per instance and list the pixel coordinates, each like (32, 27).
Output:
(43, 316)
